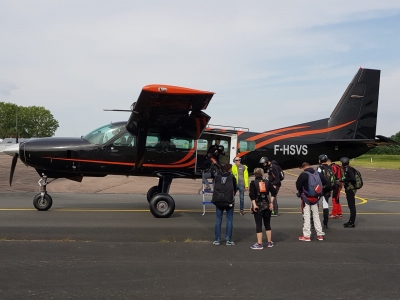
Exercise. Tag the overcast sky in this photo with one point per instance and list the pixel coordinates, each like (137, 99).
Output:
(271, 63)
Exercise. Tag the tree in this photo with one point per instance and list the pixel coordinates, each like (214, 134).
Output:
(392, 149)
(7, 120)
(396, 137)
(33, 121)
(36, 121)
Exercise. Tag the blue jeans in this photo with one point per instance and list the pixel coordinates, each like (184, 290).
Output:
(241, 196)
(229, 223)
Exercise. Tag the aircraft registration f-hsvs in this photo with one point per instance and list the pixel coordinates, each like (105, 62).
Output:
(167, 136)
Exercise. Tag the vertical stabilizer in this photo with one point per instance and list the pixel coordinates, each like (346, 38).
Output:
(358, 105)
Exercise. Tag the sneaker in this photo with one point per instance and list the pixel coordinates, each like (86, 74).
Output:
(207, 190)
(304, 238)
(270, 244)
(349, 225)
(333, 217)
(320, 238)
(326, 226)
(274, 214)
(242, 212)
(339, 216)
(230, 243)
(257, 246)
(216, 243)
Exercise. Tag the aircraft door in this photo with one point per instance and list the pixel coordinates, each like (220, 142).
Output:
(206, 140)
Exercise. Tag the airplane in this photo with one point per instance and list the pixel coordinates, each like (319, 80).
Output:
(168, 135)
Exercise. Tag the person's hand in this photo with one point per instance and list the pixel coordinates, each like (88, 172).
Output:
(255, 208)
(298, 195)
(246, 189)
(271, 206)
(274, 186)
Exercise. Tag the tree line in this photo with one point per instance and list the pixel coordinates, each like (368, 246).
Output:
(33, 121)
(395, 149)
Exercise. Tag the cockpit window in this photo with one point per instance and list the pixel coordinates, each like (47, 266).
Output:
(103, 134)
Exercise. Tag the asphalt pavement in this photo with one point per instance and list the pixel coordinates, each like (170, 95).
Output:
(109, 246)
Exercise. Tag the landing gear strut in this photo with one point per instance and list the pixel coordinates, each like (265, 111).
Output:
(43, 201)
(162, 205)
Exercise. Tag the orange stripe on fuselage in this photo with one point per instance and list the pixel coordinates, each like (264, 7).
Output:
(258, 136)
(192, 162)
(187, 156)
(302, 133)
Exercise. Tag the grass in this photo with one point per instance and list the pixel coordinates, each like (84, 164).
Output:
(378, 161)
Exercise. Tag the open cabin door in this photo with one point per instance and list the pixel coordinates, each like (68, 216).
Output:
(229, 139)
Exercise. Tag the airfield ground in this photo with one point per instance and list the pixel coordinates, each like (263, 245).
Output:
(99, 241)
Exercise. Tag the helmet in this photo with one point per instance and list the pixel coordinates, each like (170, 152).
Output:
(323, 158)
(264, 160)
(345, 161)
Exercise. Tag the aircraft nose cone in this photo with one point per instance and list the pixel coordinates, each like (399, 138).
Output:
(11, 150)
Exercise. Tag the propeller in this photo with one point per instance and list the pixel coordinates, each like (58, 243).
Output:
(13, 165)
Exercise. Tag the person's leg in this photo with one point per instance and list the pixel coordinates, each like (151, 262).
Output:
(351, 201)
(229, 223)
(205, 177)
(317, 221)
(241, 197)
(306, 223)
(325, 209)
(258, 220)
(218, 222)
(276, 201)
(339, 206)
(267, 224)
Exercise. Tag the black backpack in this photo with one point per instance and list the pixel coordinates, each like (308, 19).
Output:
(281, 173)
(330, 177)
(359, 181)
(262, 193)
(223, 191)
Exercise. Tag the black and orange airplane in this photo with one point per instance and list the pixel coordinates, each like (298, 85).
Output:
(167, 136)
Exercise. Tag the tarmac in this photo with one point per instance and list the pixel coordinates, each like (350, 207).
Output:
(99, 241)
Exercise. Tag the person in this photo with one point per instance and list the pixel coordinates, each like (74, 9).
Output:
(242, 180)
(309, 203)
(210, 169)
(336, 207)
(261, 207)
(224, 199)
(349, 180)
(215, 150)
(273, 170)
(325, 170)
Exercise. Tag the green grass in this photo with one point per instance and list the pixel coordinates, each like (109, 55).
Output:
(378, 161)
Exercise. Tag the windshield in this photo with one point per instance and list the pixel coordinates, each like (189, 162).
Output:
(103, 134)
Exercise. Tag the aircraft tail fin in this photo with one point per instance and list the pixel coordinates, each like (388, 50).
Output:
(358, 107)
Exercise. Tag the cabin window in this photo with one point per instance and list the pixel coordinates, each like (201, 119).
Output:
(247, 146)
(127, 140)
(152, 141)
(202, 145)
(181, 143)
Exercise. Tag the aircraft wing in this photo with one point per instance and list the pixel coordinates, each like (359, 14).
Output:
(172, 109)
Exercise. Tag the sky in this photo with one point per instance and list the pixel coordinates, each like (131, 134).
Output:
(271, 64)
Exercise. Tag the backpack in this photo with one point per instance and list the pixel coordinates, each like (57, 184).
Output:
(281, 173)
(262, 189)
(223, 191)
(330, 177)
(337, 170)
(314, 188)
(359, 181)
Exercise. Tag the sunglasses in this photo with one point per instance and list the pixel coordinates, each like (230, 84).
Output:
(237, 159)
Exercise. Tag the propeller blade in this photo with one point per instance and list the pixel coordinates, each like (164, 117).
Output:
(13, 164)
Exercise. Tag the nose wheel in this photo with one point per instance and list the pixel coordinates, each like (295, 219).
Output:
(43, 201)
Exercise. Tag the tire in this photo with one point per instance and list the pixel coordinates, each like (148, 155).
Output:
(152, 192)
(42, 205)
(162, 205)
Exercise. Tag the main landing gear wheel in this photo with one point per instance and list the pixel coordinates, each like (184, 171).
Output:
(162, 205)
(152, 192)
(42, 204)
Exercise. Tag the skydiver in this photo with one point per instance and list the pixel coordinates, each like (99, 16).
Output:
(273, 170)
